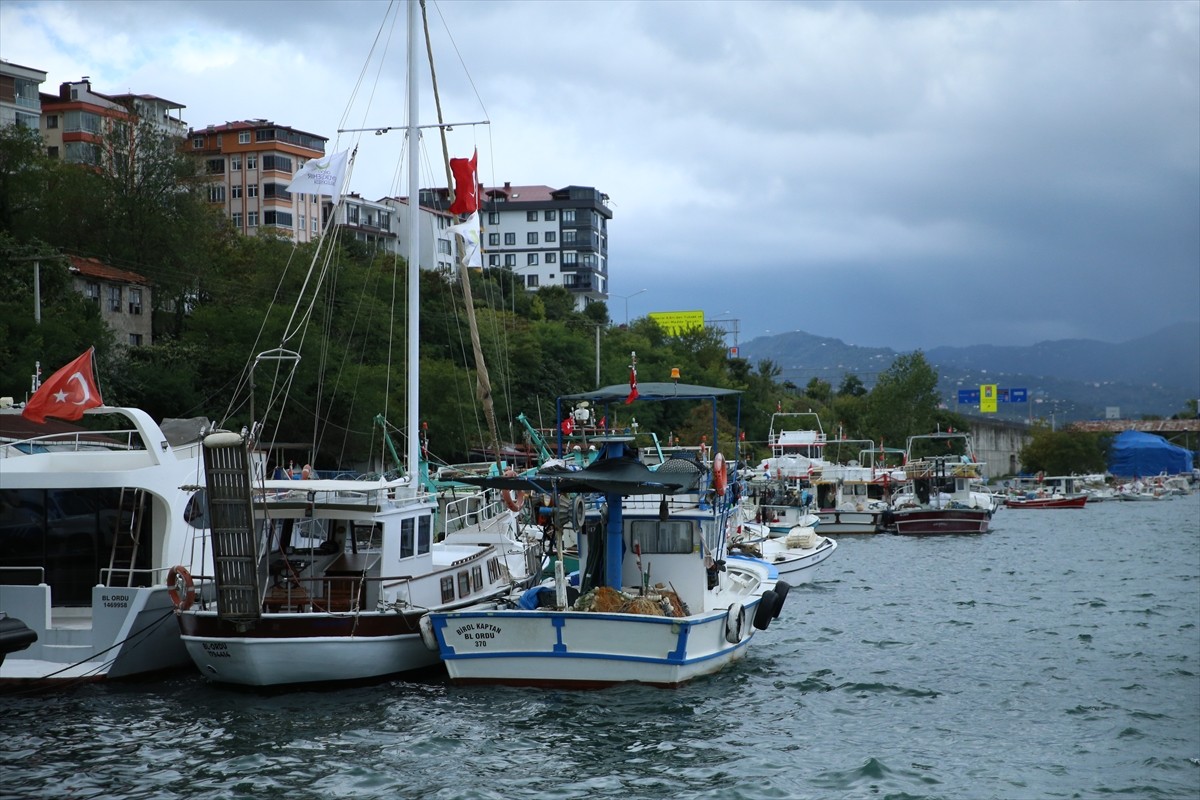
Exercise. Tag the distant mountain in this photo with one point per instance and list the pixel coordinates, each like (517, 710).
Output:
(1069, 378)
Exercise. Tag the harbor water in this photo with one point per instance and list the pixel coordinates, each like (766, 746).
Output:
(1057, 656)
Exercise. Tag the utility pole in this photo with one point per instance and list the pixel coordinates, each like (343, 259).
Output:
(37, 285)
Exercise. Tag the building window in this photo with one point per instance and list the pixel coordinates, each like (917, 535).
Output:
(198, 143)
(568, 215)
(52, 152)
(135, 339)
(276, 190)
(52, 121)
(351, 215)
(551, 236)
(531, 237)
(493, 218)
(510, 259)
(215, 166)
(135, 301)
(235, 191)
(237, 220)
(569, 236)
(252, 190)
(570, 258)
(235, 163)
(550, 215)
(216, 193)
(252, 219)
(531, 216)
(510, 238)
(278, 163)
(303, 225)
(314, 224)
(493, 261)
(252, 161)
(91, 290)
(531, 260)
(531, 281)
(493, 240)
(551, 258)
(114, 299)
(280, 219)
(244, 137)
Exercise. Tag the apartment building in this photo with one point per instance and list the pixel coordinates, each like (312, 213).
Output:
(75, 121)
(249, 165)
(125, 298)
(550, 237)
(20, 95)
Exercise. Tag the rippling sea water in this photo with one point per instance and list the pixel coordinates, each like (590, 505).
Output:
(1057, 656)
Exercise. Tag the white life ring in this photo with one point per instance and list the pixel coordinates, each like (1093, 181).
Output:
(735, 623)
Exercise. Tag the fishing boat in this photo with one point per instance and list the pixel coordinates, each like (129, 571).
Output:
(941, 469)
(794, 555)
(658, 600)
(93, 516)
(850, 490)
(1033, 500)
(325, 580)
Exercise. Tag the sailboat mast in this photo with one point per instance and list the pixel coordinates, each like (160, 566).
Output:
(414, 251)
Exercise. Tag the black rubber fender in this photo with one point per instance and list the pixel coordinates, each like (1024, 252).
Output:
(781, 588)
(766, 610)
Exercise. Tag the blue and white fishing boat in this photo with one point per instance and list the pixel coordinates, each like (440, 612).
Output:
(658, 600)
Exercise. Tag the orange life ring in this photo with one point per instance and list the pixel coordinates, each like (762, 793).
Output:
(720, 476)
(181, 588)
(512, 498)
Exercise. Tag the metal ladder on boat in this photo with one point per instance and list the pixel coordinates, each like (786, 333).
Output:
(240, 572)
(122, 558)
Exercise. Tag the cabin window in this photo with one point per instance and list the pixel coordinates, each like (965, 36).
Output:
(424, 534)
(464, 583)
(493, 570)
(447, 590)
(407, 537)
(477, 577)
(653, 536)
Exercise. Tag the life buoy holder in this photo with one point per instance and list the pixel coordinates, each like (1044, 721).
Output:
(720, 478)
(735, 623)
(512, 498)
(181, 588)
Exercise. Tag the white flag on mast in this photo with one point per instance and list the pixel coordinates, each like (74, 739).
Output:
(470, 250)
(321, 175)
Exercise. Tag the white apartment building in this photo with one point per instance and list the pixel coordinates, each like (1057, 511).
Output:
(20, 101)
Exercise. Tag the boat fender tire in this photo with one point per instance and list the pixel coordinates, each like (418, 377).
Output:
(781, 590)
(735, 623)
(427, 633)
(766, 609)
(577, 513)
(181, 588)
(512, 498)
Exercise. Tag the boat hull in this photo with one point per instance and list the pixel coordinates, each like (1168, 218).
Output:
(939, 522)
(798, 566)
(305, 648)
(579, 649)
(838, 523)
(1048, 502)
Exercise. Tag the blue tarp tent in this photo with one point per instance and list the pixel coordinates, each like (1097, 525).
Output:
(1137, 454)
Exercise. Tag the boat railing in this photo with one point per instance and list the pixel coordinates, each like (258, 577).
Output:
(154, 576)
(37, 574)
(470, 510)
(75, 441)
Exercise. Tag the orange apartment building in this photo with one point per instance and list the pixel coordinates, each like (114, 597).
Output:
(249, 165)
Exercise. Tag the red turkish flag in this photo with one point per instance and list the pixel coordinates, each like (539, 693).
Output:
(568, 426)
(67, 394)
(633, 393)
(466, 188)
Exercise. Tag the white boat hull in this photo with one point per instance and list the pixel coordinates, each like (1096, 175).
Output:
(585, 649)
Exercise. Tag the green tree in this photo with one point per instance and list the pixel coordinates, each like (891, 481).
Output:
(903, 402)
(1065, 452)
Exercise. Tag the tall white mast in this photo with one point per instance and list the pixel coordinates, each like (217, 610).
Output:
(414, 251)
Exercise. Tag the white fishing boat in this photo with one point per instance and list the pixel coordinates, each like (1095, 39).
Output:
(850, 489)
(319, 581)
(92, 518)
(794, 555)
(658, 599)
(941, 470)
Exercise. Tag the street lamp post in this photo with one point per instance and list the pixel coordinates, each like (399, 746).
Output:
(626, 297)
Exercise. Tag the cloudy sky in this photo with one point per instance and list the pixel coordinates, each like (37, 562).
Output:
(902, 174)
